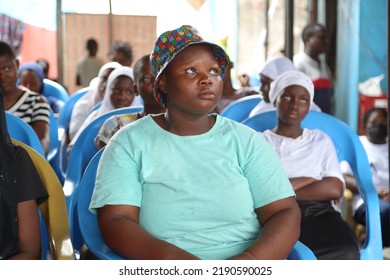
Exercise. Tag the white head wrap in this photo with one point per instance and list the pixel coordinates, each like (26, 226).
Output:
(106, 103)
(108, 65)
(276, 66)
(287, 79)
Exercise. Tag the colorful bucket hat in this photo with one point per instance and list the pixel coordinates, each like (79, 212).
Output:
(172, 42)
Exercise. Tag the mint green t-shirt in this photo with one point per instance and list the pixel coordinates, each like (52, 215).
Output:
(196, 192)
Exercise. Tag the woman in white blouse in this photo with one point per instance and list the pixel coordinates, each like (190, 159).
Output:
(311, 163)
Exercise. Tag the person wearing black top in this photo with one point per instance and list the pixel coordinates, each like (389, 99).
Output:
(21, 191)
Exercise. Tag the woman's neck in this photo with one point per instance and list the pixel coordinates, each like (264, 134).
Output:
(291, 131)
(185, 126)
(153, 110)
(11, 97)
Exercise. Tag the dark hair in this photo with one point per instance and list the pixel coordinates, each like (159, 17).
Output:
(91, 43)
(370, 111)
(6, 49)
(44, 64)
(310, 29)
(138, 65)
(123, 47)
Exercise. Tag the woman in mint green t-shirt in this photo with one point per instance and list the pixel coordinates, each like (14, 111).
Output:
(187, 184)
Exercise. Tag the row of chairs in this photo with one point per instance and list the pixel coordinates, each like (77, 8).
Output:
(85, 150)
(348, 147)
(90, 230)
(77, 189)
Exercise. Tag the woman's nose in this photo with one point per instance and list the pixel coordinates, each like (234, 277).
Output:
(206, 79)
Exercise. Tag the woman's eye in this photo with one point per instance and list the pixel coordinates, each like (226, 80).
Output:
(286, 97)
(215, 71)
(303, 101)
(190, 70)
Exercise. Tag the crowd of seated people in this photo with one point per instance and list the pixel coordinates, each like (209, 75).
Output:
(155, 198)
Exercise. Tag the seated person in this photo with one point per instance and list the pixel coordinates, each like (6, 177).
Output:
(143, 86)
(375, 143)
(21, 191)
(95, 95)
(31, 76)
(311, 163)
(30, 106)
(230, 93)
(270, 71)
(119, 94)
(186, 184)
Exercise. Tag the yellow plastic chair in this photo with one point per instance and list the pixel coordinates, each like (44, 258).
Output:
(53, 210)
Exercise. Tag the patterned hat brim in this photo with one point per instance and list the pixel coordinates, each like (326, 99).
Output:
(219, 53)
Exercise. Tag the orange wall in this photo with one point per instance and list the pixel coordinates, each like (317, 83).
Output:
(40, 43)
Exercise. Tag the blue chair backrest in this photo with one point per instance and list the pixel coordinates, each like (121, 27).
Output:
(240, 109)
(90, 230)
(66, 111)
(54, 89)
(55, 145)
(63, 125)
(81, 153)
(22, 131)
(350, 149)
(54, 141)
(301, 252)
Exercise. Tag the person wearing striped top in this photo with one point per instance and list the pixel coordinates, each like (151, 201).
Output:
(30, 106)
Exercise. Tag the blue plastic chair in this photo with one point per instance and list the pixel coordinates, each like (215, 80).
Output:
(350, 149)
(53, 136)
(63, 125)
(66, 111)
(22, 131)
(54, 89)
(240, 109)
(81, 153)
(91, 233)
(54, 152)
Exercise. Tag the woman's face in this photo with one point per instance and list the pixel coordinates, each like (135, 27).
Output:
(293, 104)
(145, 86)
(8, 73)
(122, 92)
(30, 80)
(192, 82)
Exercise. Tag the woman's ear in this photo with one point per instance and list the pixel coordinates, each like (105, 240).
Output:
(162, 84)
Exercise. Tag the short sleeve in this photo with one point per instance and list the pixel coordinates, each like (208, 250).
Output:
(265, 173)
(118, 177)
(30, 185)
